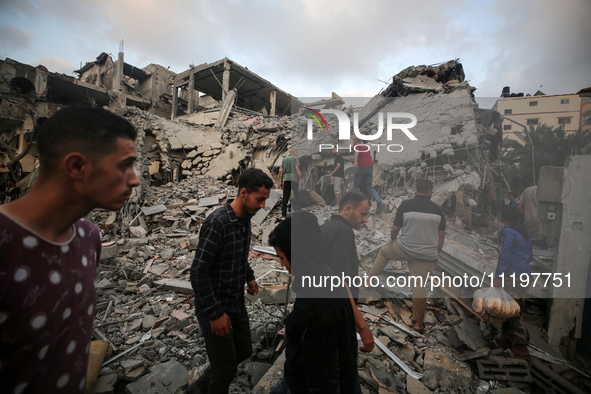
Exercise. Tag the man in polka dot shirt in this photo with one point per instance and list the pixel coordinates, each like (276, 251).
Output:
(49, 255)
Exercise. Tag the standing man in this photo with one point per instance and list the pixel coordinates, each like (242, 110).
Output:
(364, 172)
(218, 275)
(291, 177)
(304, 166)
(49, 255)
(339, 239)
(337, 175)
(516, 254)
(423, 232)
(528, 202)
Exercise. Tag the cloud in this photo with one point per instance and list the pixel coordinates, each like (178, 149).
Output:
(541, 43)
(311, 48)
(57, 65)
(14, 38)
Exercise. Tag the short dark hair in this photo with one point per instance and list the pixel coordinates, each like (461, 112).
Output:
(424, 185)
(88, 130)
(510, 214)
(252, 179)
(353, 198)
(280, 237)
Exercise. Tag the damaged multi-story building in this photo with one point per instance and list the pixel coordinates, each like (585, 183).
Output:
(200, 128)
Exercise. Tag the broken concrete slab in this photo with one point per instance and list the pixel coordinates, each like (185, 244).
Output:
(182, 286)
(153, 210)
(388, 382)
(470, 334)
(229, 159)
(260, 216)
(414, 386)
(168, 377)
(209, 201)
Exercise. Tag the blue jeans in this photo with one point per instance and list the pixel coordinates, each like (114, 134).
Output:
(364, 177)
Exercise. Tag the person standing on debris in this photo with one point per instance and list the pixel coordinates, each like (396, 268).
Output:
(50, 254)
(516, 254)
(339, 241)
(337, 175)
(417, 237)
(291, 177)
(321, 344)
(513, 199)
(339, 237)
(304, 169)
(364, 173)
(528, 202)
(218, 274)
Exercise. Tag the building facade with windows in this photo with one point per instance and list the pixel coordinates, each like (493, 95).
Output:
(555, 111)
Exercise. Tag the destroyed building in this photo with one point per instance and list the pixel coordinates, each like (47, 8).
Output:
(188, 166)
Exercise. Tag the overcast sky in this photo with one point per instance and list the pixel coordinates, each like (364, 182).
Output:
(312, 48)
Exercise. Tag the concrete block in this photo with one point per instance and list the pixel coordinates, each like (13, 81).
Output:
(109, 251)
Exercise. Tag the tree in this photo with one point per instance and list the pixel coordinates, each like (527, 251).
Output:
(551, 148)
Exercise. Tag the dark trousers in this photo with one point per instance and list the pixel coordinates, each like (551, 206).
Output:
(288, 186)
(224, 353)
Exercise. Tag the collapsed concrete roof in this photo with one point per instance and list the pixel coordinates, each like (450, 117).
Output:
(439, 98)
(254, 92)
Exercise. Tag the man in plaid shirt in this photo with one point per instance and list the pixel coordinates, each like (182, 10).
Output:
(218, 275)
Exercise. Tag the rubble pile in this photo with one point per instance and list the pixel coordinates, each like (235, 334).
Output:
(144, 287)
(188, 168)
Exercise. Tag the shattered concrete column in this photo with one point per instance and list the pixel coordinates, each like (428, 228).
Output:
(118, 74)
(174, 101)
(191, 93)
(273, 98)
(572, 256)
(226, 80)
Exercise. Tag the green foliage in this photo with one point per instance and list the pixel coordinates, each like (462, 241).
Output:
(551, 148)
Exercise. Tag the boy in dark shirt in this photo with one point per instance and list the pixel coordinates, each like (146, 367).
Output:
(516, 253)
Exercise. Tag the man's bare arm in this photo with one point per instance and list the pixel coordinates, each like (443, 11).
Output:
(441, 240)
(394, 232)
(362, 327)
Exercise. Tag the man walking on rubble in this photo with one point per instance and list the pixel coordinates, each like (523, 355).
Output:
(337, 175)
(50, 255)
(364, 173)
(339, 238)
(290, 179)
(218, 275)
(421, 225)
(528, 202)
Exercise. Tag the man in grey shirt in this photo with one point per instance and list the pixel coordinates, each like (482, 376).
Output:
(423, 232)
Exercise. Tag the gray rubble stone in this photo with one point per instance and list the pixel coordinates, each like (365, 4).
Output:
(106, 384)
(163, 378)
(148, 322)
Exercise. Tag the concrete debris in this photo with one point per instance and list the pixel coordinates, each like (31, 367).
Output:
(188, 168)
